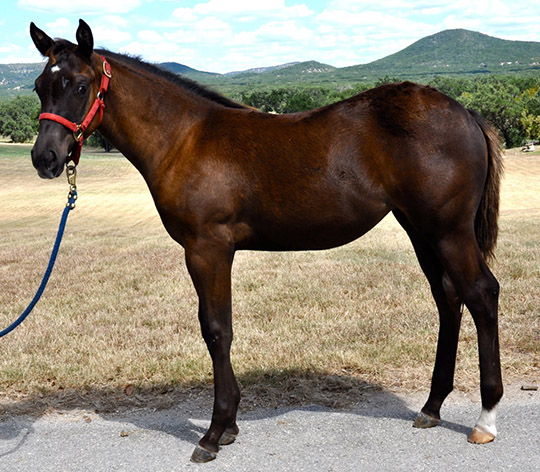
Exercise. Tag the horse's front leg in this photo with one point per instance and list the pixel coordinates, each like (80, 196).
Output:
(209, 263)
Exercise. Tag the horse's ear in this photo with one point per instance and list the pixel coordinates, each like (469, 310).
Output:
(85, 40)
(42, 41)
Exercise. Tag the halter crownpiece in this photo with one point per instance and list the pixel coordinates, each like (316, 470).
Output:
(97, 106)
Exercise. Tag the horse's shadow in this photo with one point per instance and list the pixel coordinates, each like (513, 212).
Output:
(184, 411)
(14, 433)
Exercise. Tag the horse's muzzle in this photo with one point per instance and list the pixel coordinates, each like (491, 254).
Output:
(47, 163)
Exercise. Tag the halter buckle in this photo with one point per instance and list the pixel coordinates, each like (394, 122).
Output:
(78, 134)
(106, 68)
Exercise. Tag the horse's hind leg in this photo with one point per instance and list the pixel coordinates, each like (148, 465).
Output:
(449, 307)
(458, 273)
(479, 290)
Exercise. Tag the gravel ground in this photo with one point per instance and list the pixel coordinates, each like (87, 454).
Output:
(374, 435)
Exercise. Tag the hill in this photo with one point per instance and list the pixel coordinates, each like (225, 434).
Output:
(182, 69)
(18, 78)
(260, 70)
(454, 52)
(297, 73)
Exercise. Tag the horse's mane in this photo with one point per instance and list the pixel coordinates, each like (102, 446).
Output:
(175, 79)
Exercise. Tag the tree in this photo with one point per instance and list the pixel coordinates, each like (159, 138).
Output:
(499, 100)
(453, 87)
(19, 118)
(387, 80)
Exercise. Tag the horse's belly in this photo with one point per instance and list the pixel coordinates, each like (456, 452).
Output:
(319, 228)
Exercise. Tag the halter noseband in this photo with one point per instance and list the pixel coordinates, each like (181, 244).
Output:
(98, 106)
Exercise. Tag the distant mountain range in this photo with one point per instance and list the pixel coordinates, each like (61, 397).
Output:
(450, 52)
(262, 70)
(18, 78)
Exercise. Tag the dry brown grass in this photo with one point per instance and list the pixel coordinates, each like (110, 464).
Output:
(120, 309)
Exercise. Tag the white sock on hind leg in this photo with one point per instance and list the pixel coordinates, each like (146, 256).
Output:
(487, 420)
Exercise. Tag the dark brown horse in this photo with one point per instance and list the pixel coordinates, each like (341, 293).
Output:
(226, 177)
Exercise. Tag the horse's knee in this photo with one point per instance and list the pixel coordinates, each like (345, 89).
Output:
(216, 338)
(216, 334)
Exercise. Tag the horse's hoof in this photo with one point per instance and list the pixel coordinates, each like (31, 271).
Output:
(201, 455)
(478, 436)
(425, 421)
(226, 439)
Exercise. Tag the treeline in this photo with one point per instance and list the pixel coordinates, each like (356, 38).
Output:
(511, 103)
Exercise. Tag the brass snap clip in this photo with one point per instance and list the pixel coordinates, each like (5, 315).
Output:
(71, 173)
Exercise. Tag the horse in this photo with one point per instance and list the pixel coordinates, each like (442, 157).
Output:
(226, 177)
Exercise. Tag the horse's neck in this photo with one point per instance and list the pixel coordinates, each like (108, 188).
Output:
(144, 118)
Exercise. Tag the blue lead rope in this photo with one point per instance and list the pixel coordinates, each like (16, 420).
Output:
(69, 206)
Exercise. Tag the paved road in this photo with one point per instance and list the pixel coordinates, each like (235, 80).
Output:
(375, 435)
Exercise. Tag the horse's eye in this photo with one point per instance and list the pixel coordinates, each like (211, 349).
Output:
(82, 89)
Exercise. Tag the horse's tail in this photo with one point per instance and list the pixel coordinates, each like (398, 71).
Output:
(486, 221)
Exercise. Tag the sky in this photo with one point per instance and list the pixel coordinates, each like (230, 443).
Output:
(230, 35)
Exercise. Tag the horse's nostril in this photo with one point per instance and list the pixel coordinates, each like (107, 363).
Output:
(52, 156)
(52, 160)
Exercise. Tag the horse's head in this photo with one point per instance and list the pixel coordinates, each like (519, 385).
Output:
(66, 88)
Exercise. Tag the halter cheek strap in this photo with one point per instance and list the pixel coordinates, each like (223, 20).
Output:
(97, 107)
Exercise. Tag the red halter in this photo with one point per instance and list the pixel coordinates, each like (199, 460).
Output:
(98, 106)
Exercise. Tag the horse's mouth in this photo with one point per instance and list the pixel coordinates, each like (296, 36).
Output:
(48, 173)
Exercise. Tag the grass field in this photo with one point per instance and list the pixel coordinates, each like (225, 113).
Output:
(118, 322)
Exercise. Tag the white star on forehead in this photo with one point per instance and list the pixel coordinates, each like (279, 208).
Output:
(55, 68)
